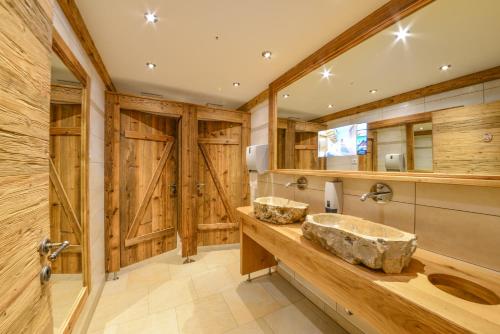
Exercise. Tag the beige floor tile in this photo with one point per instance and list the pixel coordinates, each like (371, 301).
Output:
(212, 281)
(150, 274)
(170, 294)
(258, 326)
(281, 290)
(179, 270)
(65, 290)
(155, 323)
(302, 317)
(209, 315)
(219, 258)
(249, 301)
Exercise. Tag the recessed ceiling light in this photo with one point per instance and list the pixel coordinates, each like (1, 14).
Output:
(445, 67)
(267, 54)
(286, 96)
(150, 65)
(421, 128)
(330, 106)
(151, 17)
(402, 33)
(326, 73)
(236, 84)
(373, 91)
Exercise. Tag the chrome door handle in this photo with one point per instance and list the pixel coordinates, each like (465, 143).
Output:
(52, 257)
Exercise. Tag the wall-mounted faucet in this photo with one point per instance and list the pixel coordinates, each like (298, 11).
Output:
(301, 183)
(379, 192)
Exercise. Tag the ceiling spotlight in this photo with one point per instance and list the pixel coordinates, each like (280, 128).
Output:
(445, 67)
(373, 91)
(326, 73)
(330, 106)
(151, 17)
(402, 33)
(421, 128)
(286, 96)
(150, 65)
(236, 84)
(267, 54)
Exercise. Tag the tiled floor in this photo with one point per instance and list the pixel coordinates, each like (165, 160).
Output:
(162, 295)
(65, 290)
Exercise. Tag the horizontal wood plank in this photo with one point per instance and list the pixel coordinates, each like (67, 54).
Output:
(306, 147)
(219, 141)
(76, 131)
(215, 227)
(148, 136)
(149, 236)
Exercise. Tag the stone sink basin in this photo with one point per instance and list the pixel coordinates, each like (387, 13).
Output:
(279, 210)
(359, 241)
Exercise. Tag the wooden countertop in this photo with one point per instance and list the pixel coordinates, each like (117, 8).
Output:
(392, 303)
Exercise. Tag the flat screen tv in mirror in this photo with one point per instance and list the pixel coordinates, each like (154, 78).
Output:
(424, 88)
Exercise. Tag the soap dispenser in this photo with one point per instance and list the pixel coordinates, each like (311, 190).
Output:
(333, 197)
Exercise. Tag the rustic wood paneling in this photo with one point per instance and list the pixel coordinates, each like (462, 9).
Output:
(65, 94)
(458, 139)
(24, 178)
(221, 172)
(148, 203)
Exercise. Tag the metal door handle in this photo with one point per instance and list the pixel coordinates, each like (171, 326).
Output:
(63, 246)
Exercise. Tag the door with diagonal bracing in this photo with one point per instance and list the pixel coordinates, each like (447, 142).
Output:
(148, 185)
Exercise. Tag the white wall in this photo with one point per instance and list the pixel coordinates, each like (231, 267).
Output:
(96, 166)
(260, 124)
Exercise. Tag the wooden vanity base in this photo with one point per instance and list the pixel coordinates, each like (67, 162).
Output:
(391, 303)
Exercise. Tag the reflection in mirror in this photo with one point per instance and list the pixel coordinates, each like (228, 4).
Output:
(65, 190)
(420, 96)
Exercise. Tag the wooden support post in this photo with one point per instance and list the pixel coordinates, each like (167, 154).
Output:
(188, 180)
(290, 145)
(410, 145)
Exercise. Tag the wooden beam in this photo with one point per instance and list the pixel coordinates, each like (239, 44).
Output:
(214, 114)
(410, 145)
(64, 94)
(306, 147)
(217, 227)
(134, 226)
(76, 21)
(263, 96)
(290, 144)
(73, 131)
(219, 141)
(65, 202)
(422, 133)
(463, 81)
(302, 126)
(218, 184)
(62, 50)
(150, 105)
(397, 121)
(149, 236)
(148, 136)
(188, 180)
(245, 142)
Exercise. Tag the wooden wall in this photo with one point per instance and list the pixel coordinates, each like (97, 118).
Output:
(25, 46)
(458, 145)
(218, 132)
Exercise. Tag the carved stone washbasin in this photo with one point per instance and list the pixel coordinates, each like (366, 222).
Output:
(279, 210)
(360, 241)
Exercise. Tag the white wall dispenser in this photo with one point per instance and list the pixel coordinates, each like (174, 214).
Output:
(333, 197)
(395, 162)
(257, 158)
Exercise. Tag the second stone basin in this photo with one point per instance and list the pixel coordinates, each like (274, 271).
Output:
(360, 241)
(279, 210)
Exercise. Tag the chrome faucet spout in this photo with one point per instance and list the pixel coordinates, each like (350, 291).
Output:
(379, 192)
(289, 184)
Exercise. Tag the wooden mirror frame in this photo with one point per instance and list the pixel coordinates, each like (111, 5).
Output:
(61, 49)
(382, 18)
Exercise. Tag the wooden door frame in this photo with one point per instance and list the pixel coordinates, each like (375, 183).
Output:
(62, 50)
(189, 115)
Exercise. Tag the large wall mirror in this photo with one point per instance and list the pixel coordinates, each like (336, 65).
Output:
(422, 95)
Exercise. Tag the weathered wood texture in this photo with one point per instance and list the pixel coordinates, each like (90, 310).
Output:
(24, 177)
(148, 203)
(65, 187)
(221, 172)
(458, 143)
(65, 94)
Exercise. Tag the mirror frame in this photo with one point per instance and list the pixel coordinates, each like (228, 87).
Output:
(62, 50)
(380, 19)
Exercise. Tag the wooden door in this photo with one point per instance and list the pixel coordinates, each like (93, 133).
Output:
(148, 185)
(220, 177)
(24, 165)
(65, 177)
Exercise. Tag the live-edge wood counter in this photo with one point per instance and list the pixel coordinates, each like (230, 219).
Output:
(402, 303)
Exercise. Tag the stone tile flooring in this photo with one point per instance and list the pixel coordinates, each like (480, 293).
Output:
(162, 295)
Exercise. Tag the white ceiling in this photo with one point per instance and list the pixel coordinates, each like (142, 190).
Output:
(194, 66)
(60, 74)
(462, 33)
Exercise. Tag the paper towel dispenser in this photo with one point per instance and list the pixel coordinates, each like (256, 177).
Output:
(395, 162)
(257, 158)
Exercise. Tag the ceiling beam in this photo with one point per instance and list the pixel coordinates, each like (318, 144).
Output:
(460, 82)
(76, 21)
(264, 95)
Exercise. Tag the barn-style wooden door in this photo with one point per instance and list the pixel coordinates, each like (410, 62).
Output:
(148, 185)
(65, 175)
(220, 176)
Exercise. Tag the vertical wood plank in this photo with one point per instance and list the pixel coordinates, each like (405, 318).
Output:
(410, 146)
(290, 144)
(245, 142)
